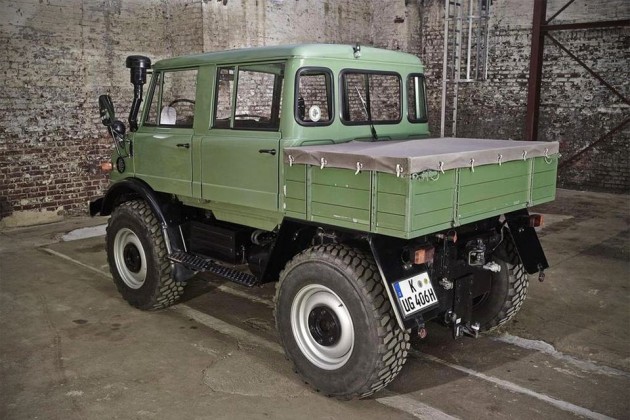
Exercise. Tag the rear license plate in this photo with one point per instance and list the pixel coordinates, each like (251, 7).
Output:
(415, 294)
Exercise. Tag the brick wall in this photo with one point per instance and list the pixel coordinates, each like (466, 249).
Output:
(575, 108)
(59, 55)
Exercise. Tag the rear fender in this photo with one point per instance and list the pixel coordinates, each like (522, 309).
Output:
(294, 237)
(526, 241)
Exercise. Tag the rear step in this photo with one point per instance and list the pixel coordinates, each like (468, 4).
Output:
(197, 263)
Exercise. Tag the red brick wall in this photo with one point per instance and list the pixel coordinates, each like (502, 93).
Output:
(57, 56)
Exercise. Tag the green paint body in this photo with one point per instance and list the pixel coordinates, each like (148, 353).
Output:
(223, 171)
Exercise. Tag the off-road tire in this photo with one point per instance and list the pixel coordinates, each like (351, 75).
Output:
(508, 289)
(379, 345)
(157, 289)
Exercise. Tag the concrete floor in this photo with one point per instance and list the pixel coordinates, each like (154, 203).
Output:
(70, 347)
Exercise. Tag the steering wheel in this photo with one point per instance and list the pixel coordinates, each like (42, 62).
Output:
(177, 101)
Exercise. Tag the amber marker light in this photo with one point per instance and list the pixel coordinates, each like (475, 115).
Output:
(424, 255)
(536, 220)
(106, 167)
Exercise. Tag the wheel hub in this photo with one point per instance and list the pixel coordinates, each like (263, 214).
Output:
(324, 326)
(132, 258)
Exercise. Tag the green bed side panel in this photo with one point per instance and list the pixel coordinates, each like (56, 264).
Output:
(544, 179)
(344, 178)
(408, 207)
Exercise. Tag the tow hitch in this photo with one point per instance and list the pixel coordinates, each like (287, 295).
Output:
(460, 329)
(460, 317)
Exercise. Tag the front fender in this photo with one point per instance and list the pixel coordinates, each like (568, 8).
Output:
(134, 188)
(127, 189)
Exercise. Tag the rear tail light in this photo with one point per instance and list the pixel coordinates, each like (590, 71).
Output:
(535, 220)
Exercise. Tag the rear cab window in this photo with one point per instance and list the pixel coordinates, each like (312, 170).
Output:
(370, 95)
(314, 96)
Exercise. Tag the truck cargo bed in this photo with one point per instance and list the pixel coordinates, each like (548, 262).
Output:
(443, 183)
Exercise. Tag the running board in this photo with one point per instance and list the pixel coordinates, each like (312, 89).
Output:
(197, 263)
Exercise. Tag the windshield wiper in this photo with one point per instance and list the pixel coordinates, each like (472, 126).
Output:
(369, 115)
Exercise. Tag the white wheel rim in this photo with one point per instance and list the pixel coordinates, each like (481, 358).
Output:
(130, 259)
(322, 304)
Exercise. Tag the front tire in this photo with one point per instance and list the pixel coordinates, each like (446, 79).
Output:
(336, 323)
(137, 257)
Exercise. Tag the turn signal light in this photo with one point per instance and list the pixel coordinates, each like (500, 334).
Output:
(535, 220)
(424, 255)
(106, 167)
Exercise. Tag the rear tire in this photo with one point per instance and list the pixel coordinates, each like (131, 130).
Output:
(507, 291)
(137, 257)
(336, 323)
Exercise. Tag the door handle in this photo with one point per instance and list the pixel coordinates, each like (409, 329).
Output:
(184, 145)
(272, 152)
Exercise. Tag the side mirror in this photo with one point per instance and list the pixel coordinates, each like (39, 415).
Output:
(106, 109)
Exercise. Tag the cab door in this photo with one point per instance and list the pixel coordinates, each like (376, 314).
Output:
(162, 146)
(241, 151)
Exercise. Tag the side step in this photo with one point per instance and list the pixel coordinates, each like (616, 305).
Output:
(197, 263)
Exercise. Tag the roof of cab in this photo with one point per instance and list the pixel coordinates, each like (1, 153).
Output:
(334, 51)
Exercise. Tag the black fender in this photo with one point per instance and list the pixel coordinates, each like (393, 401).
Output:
(134, 188)
(294, 237)
(127, 189)
(526, 241)
(387, 252)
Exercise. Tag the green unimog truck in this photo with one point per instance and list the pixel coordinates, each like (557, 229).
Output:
(312, 166)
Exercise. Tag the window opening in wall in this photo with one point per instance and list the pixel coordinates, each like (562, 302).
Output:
(416, 105)
(313, 97)
(174, 95)
(381, 93)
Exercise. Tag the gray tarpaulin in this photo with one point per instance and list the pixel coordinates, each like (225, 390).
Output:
(411, 156)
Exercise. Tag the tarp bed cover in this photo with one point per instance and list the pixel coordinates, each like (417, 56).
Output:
(413, 156)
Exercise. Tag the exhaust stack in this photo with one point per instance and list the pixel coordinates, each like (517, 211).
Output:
(138, 66)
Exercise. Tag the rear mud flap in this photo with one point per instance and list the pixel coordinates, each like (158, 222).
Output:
(526, 242)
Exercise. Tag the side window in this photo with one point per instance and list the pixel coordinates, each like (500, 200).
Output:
(178, 98)
(416, 106)
(174, 97)
(225, 91)
(313, 97)
(369, 94)
(259, 97)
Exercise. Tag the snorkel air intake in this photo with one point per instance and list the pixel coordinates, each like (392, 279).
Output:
(138, 66)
